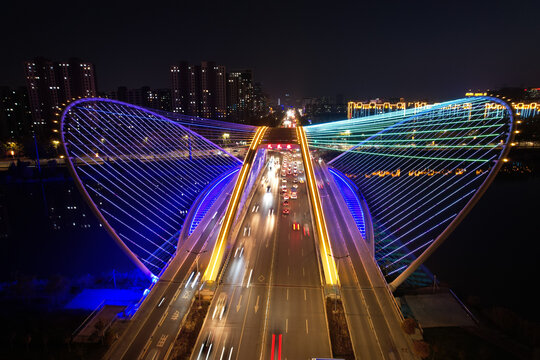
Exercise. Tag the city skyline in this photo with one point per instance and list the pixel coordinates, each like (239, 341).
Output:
(271, 180)
(385, 49)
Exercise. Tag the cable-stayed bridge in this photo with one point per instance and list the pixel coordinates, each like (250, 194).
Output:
(273, 221)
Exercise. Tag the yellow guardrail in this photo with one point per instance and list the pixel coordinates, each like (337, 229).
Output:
(212, 270)
(325, 249)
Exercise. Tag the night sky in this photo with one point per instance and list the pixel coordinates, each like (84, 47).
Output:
(413, 49)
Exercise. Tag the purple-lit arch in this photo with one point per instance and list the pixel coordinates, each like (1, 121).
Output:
(139, 172)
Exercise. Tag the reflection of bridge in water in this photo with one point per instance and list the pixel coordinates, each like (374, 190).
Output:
(374, 197)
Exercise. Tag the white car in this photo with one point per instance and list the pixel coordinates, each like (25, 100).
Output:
(220, 306)
(293, 195)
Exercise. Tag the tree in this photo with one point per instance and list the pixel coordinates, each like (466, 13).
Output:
(421, 349)
(409, 326)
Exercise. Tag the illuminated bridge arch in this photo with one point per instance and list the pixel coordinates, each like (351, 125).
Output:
(141, 172)
(419, 170)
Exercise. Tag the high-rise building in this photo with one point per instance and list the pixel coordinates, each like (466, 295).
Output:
(180, 88)
(51, 84)
(15, 114)
(144, 96)
(199, 90)
(239, 96)
(260, 100)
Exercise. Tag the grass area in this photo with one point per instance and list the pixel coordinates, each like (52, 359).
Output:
(339, 332)
(40, 334)
(457, 343)
(187, 337)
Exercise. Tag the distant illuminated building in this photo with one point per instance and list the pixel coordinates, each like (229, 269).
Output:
(50, 84)
(239, 96)
(361, 109)
(199, 90)
(15, 114)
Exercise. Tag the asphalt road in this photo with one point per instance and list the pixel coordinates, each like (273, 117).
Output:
(374, 324)
(155, 326)
(272, 283)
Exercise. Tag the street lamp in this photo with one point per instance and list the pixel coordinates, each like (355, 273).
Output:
(226, 137)
(337, 258)
(197, 253)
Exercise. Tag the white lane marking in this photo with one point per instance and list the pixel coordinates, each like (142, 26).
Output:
(307, 327)
(287, 325)
(195, 280)
(249, 279)
(209, 350)
(303, 271)
(189, 279)
(161, 302)
(287, 294)
(257, 304)
(305, 297)
(200, 352)
(222, 352)
(239, 301)
(230, 353)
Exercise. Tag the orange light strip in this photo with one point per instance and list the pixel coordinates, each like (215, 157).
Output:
(329, 265)
(211, 271)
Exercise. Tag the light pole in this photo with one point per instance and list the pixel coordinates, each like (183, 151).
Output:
(337, 272)
(197, 253)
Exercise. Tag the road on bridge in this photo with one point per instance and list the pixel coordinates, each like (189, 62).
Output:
(272, 283)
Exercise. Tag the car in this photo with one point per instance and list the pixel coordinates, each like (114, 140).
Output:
(286, 202)
(283, 180)
(284, 190)
(295, 181)
(301, 181)
(268, 188)
(295, 186)
(220, 306)
(294, 196)
(286, 211)
(239, 251)
(206, 347)
(296, 226)
(153, 354)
